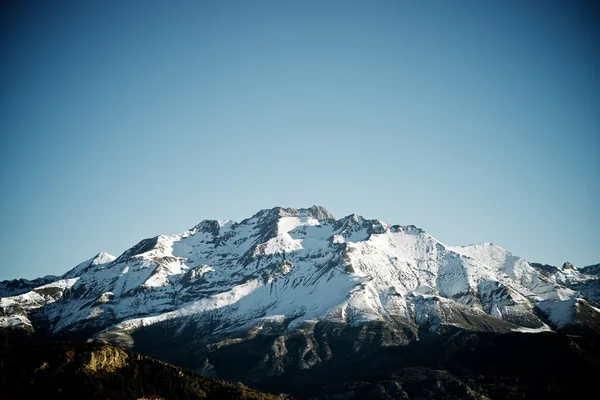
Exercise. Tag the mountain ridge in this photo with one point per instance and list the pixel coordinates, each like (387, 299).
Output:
(266, 235)
(286, 287)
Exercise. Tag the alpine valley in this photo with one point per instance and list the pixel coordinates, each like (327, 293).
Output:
(295, 301)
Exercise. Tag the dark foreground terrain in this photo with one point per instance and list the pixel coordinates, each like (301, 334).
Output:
(96, 371)
(463, 365)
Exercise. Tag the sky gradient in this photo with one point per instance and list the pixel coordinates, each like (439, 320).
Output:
(477, 121)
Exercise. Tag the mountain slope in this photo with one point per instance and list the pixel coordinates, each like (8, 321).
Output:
(94, 371)
(299, 266)
(290, 287)
(464, 365)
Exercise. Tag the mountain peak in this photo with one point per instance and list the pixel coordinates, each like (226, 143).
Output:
(568, 265)
(301, 263)
(98, 259)
(102, 258)
(318, 212)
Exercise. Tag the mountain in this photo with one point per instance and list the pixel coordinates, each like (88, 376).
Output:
(288, 291)
(94, 371)
(463, 366)
(18, 286)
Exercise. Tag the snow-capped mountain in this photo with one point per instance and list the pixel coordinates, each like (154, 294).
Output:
(287, 270)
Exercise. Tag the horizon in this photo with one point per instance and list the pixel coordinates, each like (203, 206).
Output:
(475, 122)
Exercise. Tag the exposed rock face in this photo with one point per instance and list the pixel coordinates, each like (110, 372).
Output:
(106, 359)
(295, 289)
(568, 265)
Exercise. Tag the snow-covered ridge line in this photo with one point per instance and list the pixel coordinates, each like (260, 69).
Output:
(305, 265)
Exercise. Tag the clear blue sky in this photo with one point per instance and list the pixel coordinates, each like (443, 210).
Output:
(478, 121)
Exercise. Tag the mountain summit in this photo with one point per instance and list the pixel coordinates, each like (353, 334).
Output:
(287, 271)
(296, 266)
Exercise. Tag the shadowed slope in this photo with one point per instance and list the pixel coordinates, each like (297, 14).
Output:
(94, 371)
